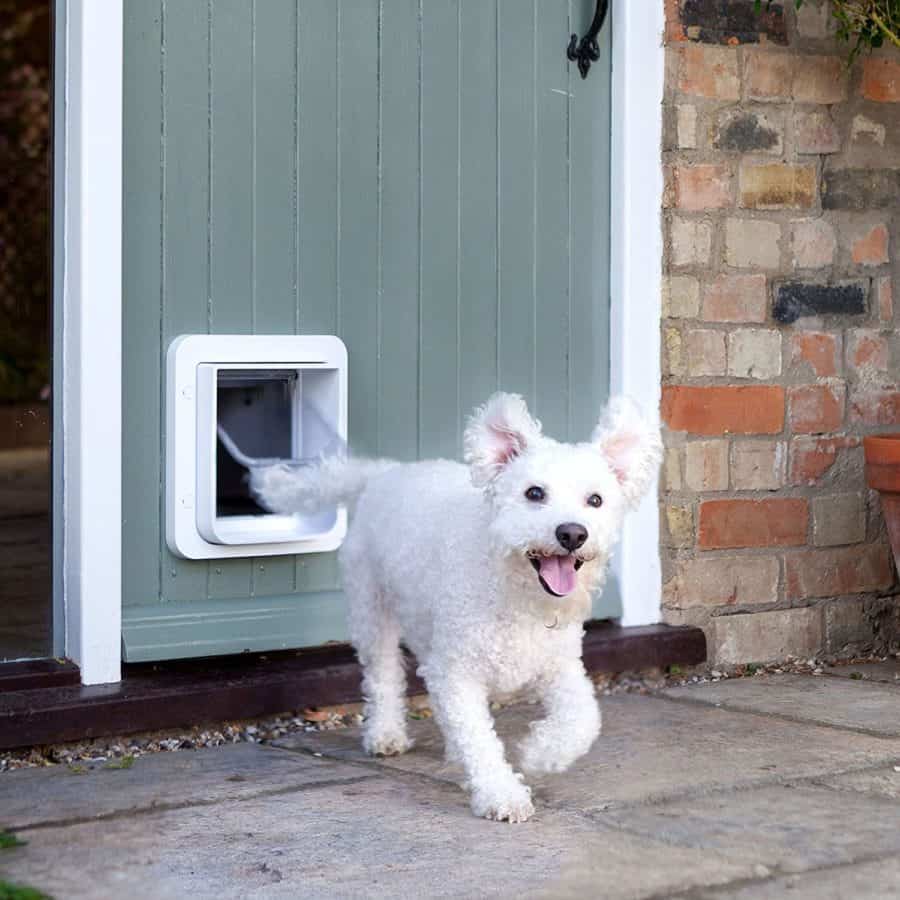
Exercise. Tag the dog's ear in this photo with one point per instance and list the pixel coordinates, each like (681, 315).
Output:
(631, 445)
(498, 432)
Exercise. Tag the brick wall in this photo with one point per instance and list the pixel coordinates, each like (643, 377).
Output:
(780, 344)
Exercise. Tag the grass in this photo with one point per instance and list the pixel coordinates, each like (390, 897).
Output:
(126, 762)
(8, 841)
(9, 891)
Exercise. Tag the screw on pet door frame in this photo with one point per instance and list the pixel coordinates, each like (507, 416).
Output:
(587, 51)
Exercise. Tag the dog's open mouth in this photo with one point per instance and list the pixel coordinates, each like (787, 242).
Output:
(557, 574)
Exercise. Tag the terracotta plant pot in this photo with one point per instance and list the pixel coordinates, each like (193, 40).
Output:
(883, 474)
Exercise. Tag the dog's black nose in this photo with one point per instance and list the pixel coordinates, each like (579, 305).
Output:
(571, 535)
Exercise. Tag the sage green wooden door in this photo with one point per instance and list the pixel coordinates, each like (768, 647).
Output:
(427, 179)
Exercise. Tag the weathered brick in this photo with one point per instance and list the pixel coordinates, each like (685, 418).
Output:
(714, 22)
(674, 352)
(705, 352)
(752, 243)
(757, 465)
(838, 519)
(867, 350)
(851, 627)
(777, 186)
(817, 350)
(723, 581)
(815, 132)
(724, 410)
(701, 187)
(768, 75)
(706, 465)
(680, 297)
(833, 573)
(672, 465)
(680, 525)
(775, 522)
(691, 242)
(881, 79)
(768, 636)
(885, 299)
(813, 243)
(820, 79)
(740, 131)
(814, 20)
(735, 298)
(754, 353)
(864, 127)
(815, 408)
(877, 406)
(860, 189)
(686, 126)
(795, 299)
(709, 72)
(811, 458)
(871, 247)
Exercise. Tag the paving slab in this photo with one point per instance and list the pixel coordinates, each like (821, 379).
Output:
(38, 796)
(887, 671)
(863, 706)
(876, 880)
(783, 827)
(884, 782)
(396, 836)
(651, 749)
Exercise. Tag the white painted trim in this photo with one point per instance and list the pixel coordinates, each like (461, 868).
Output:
(92, 336)
(636, 268)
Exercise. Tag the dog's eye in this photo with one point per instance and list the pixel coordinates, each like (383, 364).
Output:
(535, 494)
(595, 500)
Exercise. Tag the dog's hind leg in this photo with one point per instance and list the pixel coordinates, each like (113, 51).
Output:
(376, 636)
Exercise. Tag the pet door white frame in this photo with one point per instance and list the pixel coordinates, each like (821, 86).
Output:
(89, 111)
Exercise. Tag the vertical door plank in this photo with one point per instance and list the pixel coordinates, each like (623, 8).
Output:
(516, 167)
(552, 315)
(274, 185)
(478, 205)
(232, 209)
(185, 217)
(399, 199)
(143, 514)
(439, 410)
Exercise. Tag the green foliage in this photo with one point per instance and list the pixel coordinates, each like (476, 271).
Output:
(8, 841)
(20, 892)
(863, 24)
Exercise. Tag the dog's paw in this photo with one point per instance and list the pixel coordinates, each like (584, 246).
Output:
(508, 800)
(386, 744)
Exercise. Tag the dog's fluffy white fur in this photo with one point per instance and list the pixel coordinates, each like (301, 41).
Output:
(460, 562)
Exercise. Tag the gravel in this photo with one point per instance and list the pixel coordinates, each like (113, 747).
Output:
(120, 752)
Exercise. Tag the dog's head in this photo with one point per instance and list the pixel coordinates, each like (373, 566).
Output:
(557, 507)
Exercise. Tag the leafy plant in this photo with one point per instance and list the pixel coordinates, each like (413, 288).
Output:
(864, 24)
(8, 841)
(19, 892)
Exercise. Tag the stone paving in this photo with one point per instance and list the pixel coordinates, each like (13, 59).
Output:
(764, 787)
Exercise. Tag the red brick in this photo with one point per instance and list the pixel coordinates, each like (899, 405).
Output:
(834, 573)
(674, 28)
(820, 79)
(872, 248)
(768, 75)
(875, 407)
(885, 300)
(701, 187)
(881, 79)
(735, 298)
(817, 349)
(724, 410)
(709, 72)
(815, 408)
(868, 349)
(779, 522)
(812, 457)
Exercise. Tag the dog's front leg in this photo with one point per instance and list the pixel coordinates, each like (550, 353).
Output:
(462, 710)
(571, 725)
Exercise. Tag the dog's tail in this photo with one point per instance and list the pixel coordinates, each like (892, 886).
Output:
(284, 488)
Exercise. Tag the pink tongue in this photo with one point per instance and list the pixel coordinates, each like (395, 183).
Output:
(559, 574)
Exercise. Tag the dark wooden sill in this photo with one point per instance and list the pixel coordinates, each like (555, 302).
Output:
(191, 692)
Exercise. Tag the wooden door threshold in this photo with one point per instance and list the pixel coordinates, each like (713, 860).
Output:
(182, 693)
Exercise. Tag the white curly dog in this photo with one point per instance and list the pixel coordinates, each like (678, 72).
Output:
(486, 573)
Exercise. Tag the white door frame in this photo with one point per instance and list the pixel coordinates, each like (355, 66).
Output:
(89, 268)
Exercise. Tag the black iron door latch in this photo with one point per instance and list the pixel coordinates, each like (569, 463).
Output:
(587, 50)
